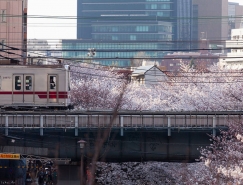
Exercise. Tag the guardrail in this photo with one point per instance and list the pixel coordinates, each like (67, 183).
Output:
(121, 120)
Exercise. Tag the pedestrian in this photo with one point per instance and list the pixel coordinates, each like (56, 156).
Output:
(49, 178)
(28, 179)
(54, 177)
(41, 177)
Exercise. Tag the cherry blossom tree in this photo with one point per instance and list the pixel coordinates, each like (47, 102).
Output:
(224, 157)
(212, 89)
(220, 163)
(94, 88)
(191, 89)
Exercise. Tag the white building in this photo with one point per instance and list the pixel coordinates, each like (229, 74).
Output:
(149, 75)
(41, 52)
(234, 59)
(37, 50)
(149, 63)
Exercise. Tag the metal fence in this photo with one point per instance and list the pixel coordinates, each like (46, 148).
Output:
(125, 121)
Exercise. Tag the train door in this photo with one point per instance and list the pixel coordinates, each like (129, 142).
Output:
(23, 88)
(53, 88)
(29, 93)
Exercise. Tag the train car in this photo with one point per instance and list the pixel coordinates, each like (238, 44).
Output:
(35, 86)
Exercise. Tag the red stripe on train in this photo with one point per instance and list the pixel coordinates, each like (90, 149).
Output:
(41, 94)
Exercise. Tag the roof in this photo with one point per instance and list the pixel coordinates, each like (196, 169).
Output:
(142, 70)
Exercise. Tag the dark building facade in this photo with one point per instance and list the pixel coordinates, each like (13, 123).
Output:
(149, 26)
(125, 20)
(112, 53)
(183, 23)
(212, 19)
(134, 20)
(235, 12)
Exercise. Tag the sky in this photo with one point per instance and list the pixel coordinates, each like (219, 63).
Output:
(237, 1)
(53, 28)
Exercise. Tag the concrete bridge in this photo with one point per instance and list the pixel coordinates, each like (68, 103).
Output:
(133, 136)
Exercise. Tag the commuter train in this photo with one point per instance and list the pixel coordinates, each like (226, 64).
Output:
(35, 86)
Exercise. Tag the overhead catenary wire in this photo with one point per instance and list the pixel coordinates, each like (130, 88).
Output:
(100, 69)
(118, 78)
(188, 56)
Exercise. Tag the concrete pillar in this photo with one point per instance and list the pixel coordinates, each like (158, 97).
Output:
(76, 125)
(169, 126)
(6, 125)
(121, 125)
(41, 125)
(214, 126)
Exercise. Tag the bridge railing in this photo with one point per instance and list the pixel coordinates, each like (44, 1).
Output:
(129, 121)
(121, 121)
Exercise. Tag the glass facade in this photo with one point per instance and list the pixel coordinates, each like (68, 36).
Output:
(183, 28)
(125, 19)
(112, 53)
(195, 38)
(123, 32)
(122, 25)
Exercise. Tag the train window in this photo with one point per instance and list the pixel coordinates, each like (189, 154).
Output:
(28, 83)
(17, 82)
(52, 82)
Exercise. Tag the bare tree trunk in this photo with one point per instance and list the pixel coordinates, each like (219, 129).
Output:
(102, 136)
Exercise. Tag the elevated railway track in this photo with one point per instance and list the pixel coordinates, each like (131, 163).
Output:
(119, 120)
(134, 136)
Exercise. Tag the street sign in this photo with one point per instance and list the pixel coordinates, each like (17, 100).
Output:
(10, 156)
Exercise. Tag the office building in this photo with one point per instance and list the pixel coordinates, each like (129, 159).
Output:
(111, 52)
(124, 20)
(235, 12)
(183, 13)
(212, 19)
(13, 29)
(130, 27)
(233, 59)
(37, 50)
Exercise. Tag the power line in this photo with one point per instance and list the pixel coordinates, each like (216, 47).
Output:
(154, 81)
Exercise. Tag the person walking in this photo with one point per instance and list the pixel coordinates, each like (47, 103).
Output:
(28, 179)
(41, 177)
(54, 176)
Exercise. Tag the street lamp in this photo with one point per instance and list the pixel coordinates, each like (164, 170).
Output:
(82, 145)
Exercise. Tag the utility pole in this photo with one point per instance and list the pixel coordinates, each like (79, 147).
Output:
(82, 146)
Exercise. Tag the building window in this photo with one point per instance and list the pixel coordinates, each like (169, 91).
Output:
(171, 64)
(153, 6)
(3, 15)
(2, 43)
(25, 28)
(114, 29)
(114, 37)
(133, 37)
(142, 28)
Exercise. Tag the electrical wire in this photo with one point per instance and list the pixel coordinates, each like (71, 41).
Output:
(154, 81)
